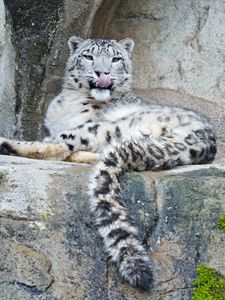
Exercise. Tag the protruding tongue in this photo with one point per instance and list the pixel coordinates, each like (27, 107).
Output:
(103, 80)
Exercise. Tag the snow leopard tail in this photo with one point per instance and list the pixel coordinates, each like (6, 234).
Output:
(114, 225)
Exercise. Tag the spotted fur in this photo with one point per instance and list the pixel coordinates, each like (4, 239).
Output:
(97, 117)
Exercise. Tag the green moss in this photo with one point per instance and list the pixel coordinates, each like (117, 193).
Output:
(221, 222)
(209, 285)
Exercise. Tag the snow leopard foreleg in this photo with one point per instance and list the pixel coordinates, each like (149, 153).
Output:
(72, 145)
(45, 150)
(39, 150)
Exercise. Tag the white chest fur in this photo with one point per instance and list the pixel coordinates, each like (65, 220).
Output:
(66, 112)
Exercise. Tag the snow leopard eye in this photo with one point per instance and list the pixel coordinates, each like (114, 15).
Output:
(116, 59)
(88, 57)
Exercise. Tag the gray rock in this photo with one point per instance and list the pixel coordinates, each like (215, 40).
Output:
(180, 44)
(7, 74)
(50, 248)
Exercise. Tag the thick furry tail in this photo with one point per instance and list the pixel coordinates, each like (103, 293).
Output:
(119, 234)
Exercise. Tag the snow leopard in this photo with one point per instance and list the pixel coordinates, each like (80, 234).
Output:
(97, 119)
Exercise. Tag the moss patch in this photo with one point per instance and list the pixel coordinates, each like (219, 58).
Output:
(221, 222)
(209, 285)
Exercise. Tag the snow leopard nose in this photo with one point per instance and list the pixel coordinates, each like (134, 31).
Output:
(99, 73)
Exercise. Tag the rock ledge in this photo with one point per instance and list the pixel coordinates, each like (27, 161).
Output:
(50, 248)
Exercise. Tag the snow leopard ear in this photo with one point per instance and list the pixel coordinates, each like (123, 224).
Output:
(74, 42)
(127, 44)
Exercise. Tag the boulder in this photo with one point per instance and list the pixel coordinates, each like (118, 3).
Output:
(50, 248)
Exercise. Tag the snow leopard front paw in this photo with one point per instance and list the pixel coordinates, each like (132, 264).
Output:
(6, 148)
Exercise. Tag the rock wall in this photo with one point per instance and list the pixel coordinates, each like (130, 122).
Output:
(180, 44)
(7, 75)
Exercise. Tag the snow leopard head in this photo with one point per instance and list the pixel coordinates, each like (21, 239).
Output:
(101, 68)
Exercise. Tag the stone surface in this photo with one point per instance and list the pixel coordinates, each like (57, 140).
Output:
(50, 248)
(7, 74)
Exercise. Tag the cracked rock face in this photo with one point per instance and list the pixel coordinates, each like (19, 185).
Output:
(50, 248)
